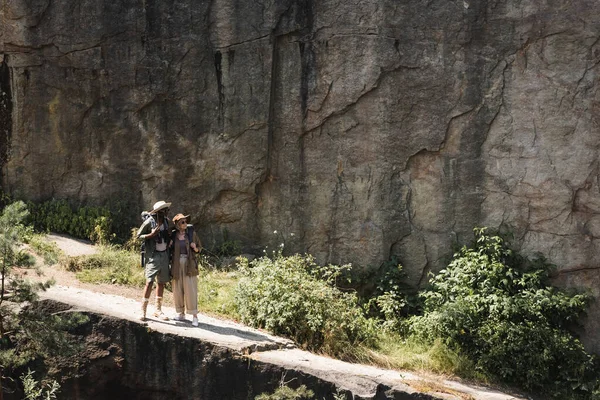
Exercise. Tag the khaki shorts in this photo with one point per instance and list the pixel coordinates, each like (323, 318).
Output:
(157, 267)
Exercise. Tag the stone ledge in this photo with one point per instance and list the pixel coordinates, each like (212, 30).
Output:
(270, 353)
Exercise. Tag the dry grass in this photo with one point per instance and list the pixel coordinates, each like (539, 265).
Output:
(429, 387)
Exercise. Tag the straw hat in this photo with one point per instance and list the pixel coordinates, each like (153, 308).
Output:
(178, 217)
(159, 205)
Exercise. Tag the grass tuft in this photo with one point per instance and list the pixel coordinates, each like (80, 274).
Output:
(48, 250)
(109, 265)
(216, 290)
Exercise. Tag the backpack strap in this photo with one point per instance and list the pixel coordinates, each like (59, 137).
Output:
(190, 233)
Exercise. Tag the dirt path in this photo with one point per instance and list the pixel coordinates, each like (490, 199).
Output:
(74, 247)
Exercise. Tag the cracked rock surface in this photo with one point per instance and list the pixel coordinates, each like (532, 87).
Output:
(367, 129)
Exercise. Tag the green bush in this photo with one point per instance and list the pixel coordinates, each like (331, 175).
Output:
(496, 307)
(92, 223)
(293, 296)
(228, 247)
(390, 301)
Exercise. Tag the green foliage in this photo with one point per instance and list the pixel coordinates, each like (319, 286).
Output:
(48, 250)
(26, 333)
(93, 223)
(228, 247)
(35, 390)
(286, 393)
(40, 335)
(410, 353)
(495, 306)
(295, 297)
(109, 265)
(133, 243)
(216, 290)
(11, 231)
(390, 302)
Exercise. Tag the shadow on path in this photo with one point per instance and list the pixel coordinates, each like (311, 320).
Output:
(219, 330)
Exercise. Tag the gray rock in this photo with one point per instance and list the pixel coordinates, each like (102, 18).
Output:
(367, 129)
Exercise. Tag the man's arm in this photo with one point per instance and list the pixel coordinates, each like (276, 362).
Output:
(145, 231)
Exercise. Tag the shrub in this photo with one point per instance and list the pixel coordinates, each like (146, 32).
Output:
(390, 301)
(496, 306)
(293, 296)
(228, 246)
(92, 223)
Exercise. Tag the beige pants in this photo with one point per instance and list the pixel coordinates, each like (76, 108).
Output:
(185, 289)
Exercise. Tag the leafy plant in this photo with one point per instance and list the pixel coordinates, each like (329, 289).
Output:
(93, 223)
(293, 296)
(497, 307)
(390, 301)
(35, 390)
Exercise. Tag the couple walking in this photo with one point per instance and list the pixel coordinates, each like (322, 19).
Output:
(160, 243)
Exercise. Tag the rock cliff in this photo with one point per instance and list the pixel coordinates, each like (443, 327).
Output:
(367, 129)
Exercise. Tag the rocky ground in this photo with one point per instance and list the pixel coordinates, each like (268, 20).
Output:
(362, 381)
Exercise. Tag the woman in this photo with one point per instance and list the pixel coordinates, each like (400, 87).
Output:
(185, 242)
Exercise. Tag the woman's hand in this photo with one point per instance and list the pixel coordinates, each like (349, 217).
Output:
(194, 247)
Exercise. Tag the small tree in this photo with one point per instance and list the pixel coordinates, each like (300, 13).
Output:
(25, 333)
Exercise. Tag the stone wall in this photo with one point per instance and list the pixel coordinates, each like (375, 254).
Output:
(367, 129)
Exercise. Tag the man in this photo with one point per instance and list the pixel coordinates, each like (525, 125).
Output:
(155, 233)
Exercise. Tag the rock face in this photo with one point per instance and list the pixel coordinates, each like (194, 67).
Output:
(367, 129)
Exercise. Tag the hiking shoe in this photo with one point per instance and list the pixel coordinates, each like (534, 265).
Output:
(179, 317)
(161, 315)
(195, 321)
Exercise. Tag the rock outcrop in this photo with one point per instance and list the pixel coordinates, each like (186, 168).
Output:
(367, 129)
(122, 358)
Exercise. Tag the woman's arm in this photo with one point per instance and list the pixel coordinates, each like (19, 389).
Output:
(196, 242)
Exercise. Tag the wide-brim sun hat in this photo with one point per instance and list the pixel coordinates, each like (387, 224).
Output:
(159, 205)
(178, 217)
